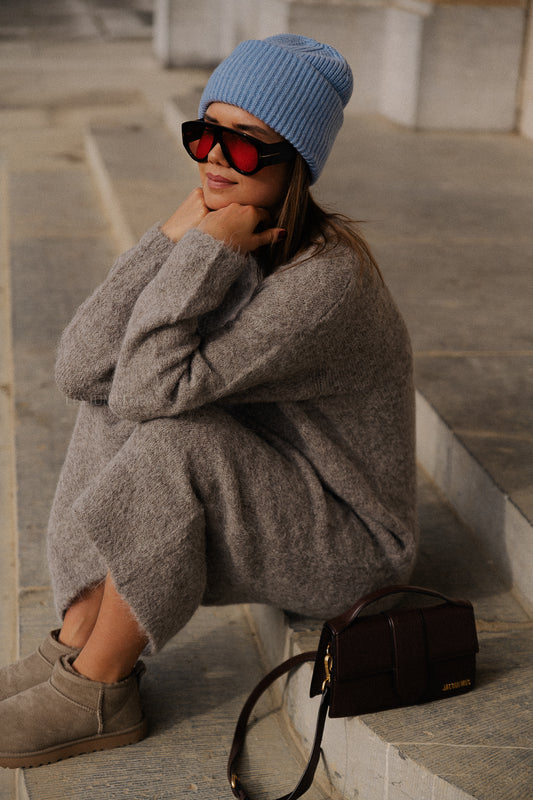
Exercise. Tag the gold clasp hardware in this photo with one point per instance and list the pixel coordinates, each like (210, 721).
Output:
(234, 780)
(328, 662)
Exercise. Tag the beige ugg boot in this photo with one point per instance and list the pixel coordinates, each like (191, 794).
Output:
(69, 715)
(35, 668)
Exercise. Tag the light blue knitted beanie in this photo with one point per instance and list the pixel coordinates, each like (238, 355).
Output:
(297, 86)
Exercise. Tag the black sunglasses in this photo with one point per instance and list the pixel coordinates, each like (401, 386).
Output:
(243, 152)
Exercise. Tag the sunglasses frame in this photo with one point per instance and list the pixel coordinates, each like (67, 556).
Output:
(267, 154)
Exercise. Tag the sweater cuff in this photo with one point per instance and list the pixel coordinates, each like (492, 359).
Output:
(198, 258)
(153, 247)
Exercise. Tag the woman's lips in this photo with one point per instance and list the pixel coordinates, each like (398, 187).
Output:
(218, 181)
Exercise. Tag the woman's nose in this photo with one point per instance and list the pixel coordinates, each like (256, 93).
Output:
(216, 156)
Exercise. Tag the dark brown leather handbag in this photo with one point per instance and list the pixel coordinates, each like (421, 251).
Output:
(369, 663)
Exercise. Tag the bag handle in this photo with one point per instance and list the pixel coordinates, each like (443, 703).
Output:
(338, 624)
(240, 730)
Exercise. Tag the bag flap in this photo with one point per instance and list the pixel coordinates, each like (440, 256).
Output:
(450, 631)
(363, 649)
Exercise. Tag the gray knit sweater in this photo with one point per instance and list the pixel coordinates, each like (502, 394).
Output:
(315, 356)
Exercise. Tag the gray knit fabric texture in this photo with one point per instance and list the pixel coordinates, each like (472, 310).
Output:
(238, 439)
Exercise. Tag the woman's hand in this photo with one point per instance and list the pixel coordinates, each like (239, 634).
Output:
(236, 225)
(187, 216)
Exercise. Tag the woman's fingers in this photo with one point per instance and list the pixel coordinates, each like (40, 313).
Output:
(241, 227)
(189, 215)
(270, 236)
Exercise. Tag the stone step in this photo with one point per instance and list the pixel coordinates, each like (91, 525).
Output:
(139, 174)
(8, 582)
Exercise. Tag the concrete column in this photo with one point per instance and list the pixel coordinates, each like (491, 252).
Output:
(193, 33)
(402, 52)
(269, 17)
(203, 32)
(470, 66)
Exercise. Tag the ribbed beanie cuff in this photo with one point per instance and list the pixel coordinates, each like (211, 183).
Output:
(295, 85)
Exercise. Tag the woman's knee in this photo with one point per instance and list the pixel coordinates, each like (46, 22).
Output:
(201, 434)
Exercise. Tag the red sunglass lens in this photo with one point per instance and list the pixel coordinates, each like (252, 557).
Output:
(243, 153)
(201, 147)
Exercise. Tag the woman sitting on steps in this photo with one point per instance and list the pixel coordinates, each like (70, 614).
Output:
(246, 432)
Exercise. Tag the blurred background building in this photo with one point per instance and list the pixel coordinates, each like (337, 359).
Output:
(460, 64)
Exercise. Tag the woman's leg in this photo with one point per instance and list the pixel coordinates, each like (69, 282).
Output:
(74, 560)
(115, 641)
(102, 624)
(102, 712)
(77, 569)
(81, 617)
(205, 508)
(36, 668)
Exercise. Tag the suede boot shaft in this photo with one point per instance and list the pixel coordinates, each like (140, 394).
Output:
(35, 668)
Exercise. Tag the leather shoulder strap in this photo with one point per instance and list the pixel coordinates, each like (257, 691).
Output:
(240, 730)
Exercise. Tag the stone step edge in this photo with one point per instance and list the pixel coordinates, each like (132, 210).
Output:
(8, 523)
(502, 529)
(496, 522)
(120, 227)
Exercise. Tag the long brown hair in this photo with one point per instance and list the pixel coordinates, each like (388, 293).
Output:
(310, 228)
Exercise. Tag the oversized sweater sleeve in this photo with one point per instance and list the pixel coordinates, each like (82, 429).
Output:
(88, 349)
(282, 345)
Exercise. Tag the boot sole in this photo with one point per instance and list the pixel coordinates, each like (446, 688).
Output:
(79, 747)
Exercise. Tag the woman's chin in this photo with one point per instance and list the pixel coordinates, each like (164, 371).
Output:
(216, 200)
